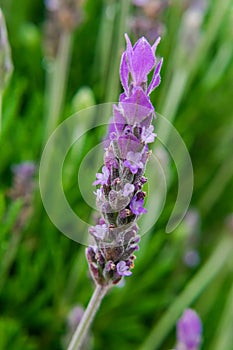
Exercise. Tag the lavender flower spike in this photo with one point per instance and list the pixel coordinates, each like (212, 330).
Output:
(119, 196)
(189, 330)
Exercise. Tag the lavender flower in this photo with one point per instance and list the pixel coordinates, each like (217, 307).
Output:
(74, 317)
(120, 198)
(147, 18)
(189, 330)
(23, 180)
(62, 16)
(23, 188)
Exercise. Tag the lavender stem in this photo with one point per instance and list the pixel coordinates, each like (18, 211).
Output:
(91, 310)
(57, 78)
(0, 111)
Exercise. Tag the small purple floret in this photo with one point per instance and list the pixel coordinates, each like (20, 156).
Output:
(99, 231)
(136, 206)
(133, 162)
(123, 269)
(128, 189)
(148, 135)
(102, 178)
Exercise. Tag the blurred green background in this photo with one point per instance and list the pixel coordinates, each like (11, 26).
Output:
(67, 59)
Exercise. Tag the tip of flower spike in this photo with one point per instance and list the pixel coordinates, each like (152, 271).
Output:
(129, 45)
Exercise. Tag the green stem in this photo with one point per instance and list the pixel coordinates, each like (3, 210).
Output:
(224, 336)
(173, 100)
(220, 10)
(194, 288)
(0, 111)
(91, 310)
(9, 257)
(217, 185)
(56, 84)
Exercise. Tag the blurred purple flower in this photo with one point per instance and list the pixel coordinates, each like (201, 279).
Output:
(191, 258)
(23, 188)
(23, 180)
(140, 2)
(189, 331)
(74, 317)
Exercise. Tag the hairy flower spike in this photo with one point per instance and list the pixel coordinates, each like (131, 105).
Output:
(120, 198)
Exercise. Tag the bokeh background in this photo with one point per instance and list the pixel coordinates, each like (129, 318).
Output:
(66, 57)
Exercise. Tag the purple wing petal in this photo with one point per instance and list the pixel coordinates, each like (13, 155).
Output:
(129, 52)
(155, 81)
(127, 144)
(124, 73)
(119, 120)
(137, 108)
(143, 60)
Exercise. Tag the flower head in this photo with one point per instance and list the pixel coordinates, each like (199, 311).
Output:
(120, 198)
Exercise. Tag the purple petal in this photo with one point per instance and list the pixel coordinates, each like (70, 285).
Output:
(143, 60)
(155, 81)
(137, 108)
(133, 161)
(127, 144)
(128, 189)
(129, 51)
(119, 120)
(148, 135)
(99, 231)
(124, 73)
(123, 269)
(136, 206)
(102, 178)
